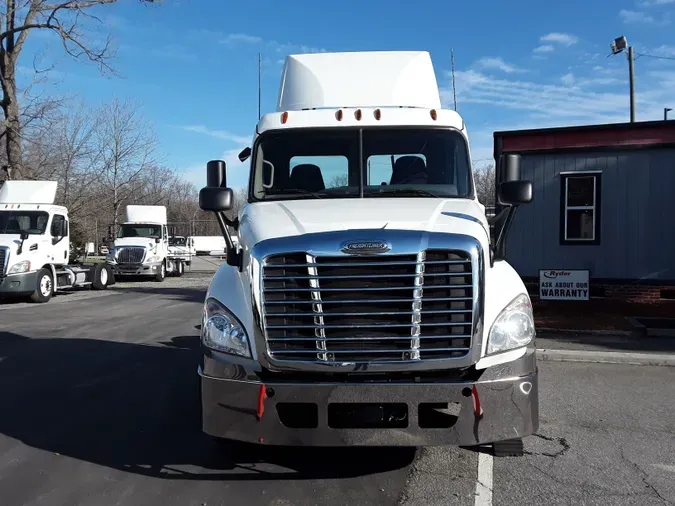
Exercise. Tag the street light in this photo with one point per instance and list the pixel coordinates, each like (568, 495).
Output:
(665, 113)
(618, 46)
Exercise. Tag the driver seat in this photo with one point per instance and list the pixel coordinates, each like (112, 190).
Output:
(307, 177)
(409, 170)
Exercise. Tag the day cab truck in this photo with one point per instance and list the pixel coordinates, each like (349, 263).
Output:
(366, 303)
(35, 245)
(142, 245)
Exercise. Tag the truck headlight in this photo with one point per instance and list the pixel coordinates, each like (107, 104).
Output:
(514, 327)
(221, 331)
(151, 259)
(19, 267)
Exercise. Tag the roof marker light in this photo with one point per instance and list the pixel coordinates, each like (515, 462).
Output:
(377, 114)
(284, 117)
(338, 115)
(434, 115)
(357, 115)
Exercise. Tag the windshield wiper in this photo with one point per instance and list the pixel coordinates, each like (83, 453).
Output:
(291, 191)
(413, 191)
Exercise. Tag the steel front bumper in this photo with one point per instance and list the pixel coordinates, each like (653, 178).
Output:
(18, 284)
(135, 269)
(507, 408)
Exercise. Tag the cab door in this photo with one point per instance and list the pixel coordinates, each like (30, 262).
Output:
(60, 248)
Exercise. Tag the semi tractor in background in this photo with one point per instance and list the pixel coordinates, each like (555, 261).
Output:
(366, 302)
(141, 246)
(35, 245)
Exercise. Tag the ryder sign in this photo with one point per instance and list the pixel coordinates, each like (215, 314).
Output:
(563, 284)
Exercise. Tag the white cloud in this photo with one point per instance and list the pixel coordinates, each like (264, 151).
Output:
(281, 48)
(652, 3)
(629, 17)
(565, 39)
(568, 79)
(241, 37)
(218, 134)
(544, 48)
(515, 103)
(497, 64)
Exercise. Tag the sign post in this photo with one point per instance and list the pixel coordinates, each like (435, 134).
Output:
(563, 284)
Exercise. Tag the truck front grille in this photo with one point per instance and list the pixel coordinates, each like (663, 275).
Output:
(130, 255)
(3, 260)
(389, 308)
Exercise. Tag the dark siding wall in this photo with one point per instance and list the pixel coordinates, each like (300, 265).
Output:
(637, 219)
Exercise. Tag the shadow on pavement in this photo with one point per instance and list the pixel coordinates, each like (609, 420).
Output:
(135, 408)
(188, 294)
(606, 343)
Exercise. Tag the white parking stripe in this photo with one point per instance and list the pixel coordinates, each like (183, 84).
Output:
(484, 480)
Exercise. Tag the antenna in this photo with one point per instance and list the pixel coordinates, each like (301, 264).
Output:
(454, 93)
(259, 81)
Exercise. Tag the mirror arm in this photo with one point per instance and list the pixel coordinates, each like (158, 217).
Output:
(232, 255)
(500, 243)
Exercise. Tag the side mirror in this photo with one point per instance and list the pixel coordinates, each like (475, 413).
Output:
(244, 154)
(509, 167)
(24, 235)
(157, 240)
(515, 192)
(216, 199)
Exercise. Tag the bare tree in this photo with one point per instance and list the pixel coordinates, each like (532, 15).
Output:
(125, 145)
(18, 18)
(484, 178)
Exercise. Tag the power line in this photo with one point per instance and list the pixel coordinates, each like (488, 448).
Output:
(657, 57)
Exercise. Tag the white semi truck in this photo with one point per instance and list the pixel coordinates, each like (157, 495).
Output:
(366, 303)
(142, 245)
(35, 245)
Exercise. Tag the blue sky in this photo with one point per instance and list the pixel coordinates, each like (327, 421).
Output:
(192, 64)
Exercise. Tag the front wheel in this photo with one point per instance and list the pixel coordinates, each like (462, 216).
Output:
(45, 287)
(180, 268)
(161, 273)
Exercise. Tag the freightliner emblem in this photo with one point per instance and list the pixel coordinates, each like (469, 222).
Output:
(365, 247)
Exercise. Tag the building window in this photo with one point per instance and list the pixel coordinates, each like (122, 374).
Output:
(580, 208)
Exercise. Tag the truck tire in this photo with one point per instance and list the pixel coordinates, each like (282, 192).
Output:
(161, 273)
(45, 287)
(101, 277)
(180, 268)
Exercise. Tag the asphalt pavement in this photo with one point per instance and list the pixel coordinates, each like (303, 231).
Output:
(99, 407)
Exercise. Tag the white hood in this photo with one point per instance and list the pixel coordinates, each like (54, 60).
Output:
(267, 220)
(12, 241)
(135, 241)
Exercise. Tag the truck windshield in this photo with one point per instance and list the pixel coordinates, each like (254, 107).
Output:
(33, 222)
(330, 163)
(177, 241)
(139, 230)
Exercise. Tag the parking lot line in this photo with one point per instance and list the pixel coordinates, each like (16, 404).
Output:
(484, 480)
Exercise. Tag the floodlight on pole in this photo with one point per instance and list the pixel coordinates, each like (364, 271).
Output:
(617, 46)
(666, 110)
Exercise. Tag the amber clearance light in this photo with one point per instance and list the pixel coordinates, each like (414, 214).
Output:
(284, 117)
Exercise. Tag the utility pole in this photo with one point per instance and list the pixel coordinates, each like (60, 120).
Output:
(454, 93)
(631, 76)
(259, 82)
(617, 46)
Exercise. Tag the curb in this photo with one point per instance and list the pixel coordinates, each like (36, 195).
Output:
(606, 357)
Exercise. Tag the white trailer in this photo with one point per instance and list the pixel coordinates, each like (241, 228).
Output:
(142, 245)
(366, 303)
(35, 245)
(208, 244)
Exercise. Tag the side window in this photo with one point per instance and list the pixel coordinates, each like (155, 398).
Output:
(314, 173)
(380, 168)
(59, 226)
(580, 208)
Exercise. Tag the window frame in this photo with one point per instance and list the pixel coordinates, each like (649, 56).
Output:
(596, 207)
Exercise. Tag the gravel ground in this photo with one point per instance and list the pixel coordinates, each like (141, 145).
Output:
(100, 408)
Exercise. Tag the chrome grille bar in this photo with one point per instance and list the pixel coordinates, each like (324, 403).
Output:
(130, 255)
(338, 304)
